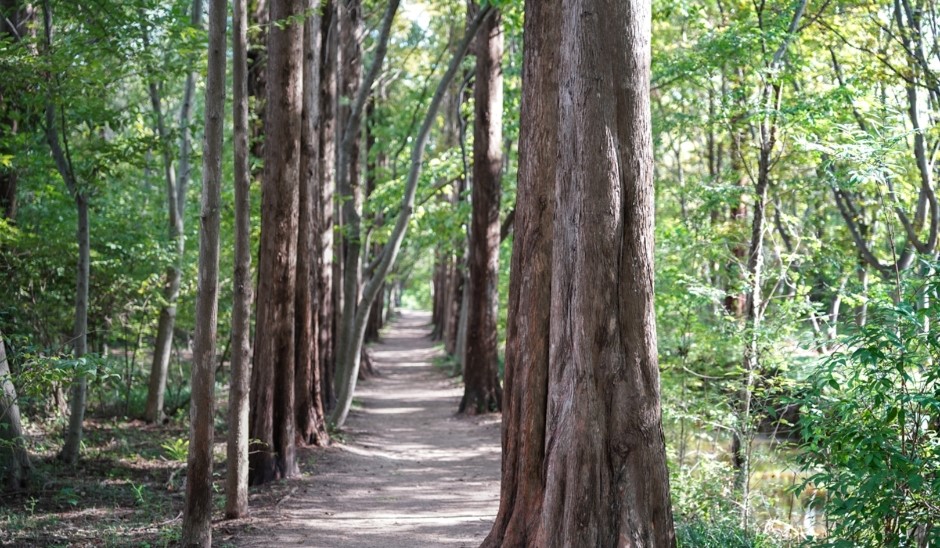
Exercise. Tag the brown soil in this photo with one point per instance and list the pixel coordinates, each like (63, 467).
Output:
(409, 472)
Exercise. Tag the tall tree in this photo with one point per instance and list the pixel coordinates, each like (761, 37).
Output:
(197, 513)
(271, 420)
(482, 392)
(63, 162)
(327, 157)
(236, 485)
(584, 456)
(311, 423)
(15, 468)
(176, 185)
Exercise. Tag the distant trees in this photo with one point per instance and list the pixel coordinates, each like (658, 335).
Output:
(584, 455)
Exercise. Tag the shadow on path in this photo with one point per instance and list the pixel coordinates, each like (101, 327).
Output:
(410, 473)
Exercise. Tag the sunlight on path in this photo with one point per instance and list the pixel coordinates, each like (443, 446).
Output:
(410, 474)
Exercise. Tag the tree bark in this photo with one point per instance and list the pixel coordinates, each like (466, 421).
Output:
(272, 377)
(327, 158)
(482, 392)
(15, 468)
(176, 184)
(236, 486)
(311, 424)
(584, 456)
(197, 512)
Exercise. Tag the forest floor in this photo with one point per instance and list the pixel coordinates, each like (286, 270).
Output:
(406, 470)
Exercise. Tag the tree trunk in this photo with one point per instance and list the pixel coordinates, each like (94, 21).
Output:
(327, 160)
(197, 512)
(583, 450)
(347, 166)
(272, 377)
(73, 433)
(482, 392)
(15, 17)
(236, 486)
(176, 185)
(15, 468)
(311, 424)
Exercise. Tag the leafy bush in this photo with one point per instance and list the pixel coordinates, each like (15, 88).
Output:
(720, 534)
(870, 426)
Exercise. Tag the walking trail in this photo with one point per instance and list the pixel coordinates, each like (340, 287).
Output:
(407, 471)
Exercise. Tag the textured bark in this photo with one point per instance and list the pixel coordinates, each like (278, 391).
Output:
(347, 166)
(272, 377)
(482, 392)
(197, 512)
(176, 184)
(327, 159)
(311, 424)
(236, 479)
(15, 468)
(583, 450)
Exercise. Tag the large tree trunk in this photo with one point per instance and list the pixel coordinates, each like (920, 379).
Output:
(197, 513)
(176, 184)
(584, 456)
(15, 468)
(311, 423)
(236, 485)
(327, 160)
(272, 377)
(482, 392)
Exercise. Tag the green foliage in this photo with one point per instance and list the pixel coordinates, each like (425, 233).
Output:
(702, 534)
(871, 424)
(176, 449)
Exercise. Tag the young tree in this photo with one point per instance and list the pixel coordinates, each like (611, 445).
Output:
(176, 184)
(197, 513)
(272, 376)
(15, 467)
(236, 485)
(584, 457)
(63, 162)
(482, 392)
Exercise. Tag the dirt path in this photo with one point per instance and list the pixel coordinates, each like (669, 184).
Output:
(410, 473)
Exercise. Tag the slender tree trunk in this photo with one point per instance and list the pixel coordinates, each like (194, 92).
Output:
(272, 376)
(583, 451)
(15, 468)
(73, 435)
(311, 424)
(482, 392)
(327, 159)
(176, 185)
(347, 166)
(236, 486)
(197, 513)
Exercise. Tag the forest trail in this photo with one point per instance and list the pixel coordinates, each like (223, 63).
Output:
(409, 473)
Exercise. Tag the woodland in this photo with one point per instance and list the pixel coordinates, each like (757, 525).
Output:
(675, 261)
